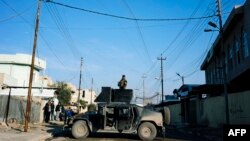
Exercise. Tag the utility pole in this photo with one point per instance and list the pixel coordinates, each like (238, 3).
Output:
(92, 81)
(162, 86)
(79, 91)
(224, 66)
(143, 86)
(28, 105)
(182, 79)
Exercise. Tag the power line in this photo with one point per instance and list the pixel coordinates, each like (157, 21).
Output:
(152, 66)
(42, 37)
(135, 48)
(191, 38)
(184, 27)
(120, 23)
(16, 14)
(197, 63)
(129, 18)
(63, 30)
(139, 30)
(228, 4)
(115, 28)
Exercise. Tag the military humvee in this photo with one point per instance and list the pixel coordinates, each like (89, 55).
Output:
(115, 115)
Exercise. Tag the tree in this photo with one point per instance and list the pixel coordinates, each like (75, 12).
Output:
(83, 103)
(91, 107)
(63, 92)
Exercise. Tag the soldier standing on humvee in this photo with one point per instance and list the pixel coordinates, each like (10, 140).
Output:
(122, 83)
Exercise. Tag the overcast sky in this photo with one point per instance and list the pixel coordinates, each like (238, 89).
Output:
(112, 46)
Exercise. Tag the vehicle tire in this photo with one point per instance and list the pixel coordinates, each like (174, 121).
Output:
(147, 131)
(166, 115)
(80, 129)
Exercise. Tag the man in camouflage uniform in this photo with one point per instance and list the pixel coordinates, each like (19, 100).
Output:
(123, 82)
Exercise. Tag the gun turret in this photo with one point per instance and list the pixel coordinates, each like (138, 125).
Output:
(115, 95)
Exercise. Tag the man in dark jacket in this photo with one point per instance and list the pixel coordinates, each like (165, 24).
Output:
(52, 113)
(58, 110)
(47, 110)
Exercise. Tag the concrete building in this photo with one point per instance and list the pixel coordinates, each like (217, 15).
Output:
(15, 72)
(227, 62)
(14, 82)
(89, 96)
(234, 57)
(85, 94)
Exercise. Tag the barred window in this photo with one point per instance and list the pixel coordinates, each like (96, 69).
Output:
(230, 59)
(245, 45)
(237, 51)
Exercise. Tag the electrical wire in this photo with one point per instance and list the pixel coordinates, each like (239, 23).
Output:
(63, 30)
(198, 61)
(190, 38)
(183, 28)
(42, 37)
(16, 14)
(128, 18)
(139, 30)
(128, 35)
(228, 4)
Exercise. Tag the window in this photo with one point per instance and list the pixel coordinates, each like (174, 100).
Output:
(214, 74)
(237, 51)
(124, 112)
(222, 68)
(230, 59)
(83, 93)
(211, 76)
(226, 64)
(218, 70)
(184, 89)
(245, 45)
(207, 75)
(110, 111)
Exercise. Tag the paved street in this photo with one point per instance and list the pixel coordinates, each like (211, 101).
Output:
(54, 131)
(58, 134)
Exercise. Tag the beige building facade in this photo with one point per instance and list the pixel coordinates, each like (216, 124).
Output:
(15, 72)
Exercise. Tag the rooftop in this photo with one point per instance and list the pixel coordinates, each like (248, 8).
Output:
(22, 59)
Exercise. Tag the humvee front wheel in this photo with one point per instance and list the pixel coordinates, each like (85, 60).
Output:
(166, 115)
(80, 129)
(147, 131)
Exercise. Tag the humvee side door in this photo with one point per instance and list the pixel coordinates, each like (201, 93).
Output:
(125, 118)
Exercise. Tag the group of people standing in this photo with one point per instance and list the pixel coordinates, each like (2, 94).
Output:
(52, 112)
